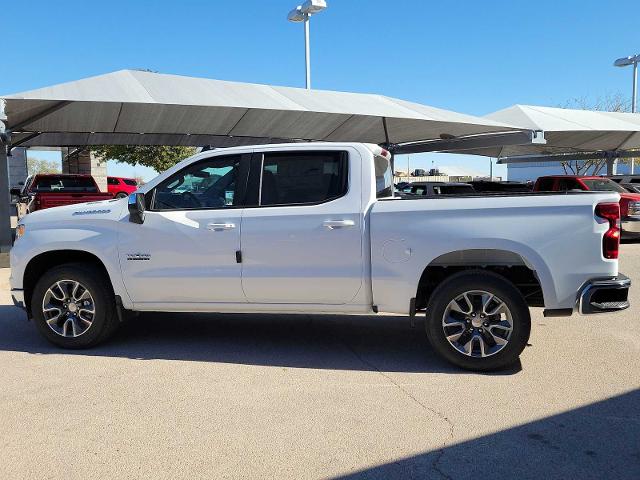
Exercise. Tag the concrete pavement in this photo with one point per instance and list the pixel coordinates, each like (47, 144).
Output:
(271, 396)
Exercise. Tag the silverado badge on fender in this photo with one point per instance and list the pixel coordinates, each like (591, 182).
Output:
(138, 256)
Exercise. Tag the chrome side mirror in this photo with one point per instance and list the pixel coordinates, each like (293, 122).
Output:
(136, 207)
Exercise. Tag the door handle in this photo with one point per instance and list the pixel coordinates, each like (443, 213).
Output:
(218, 227)
(333, 224)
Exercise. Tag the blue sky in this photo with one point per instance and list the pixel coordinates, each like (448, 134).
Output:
(470, 56)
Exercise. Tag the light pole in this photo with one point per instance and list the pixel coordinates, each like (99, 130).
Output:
(302, 13)
(625, 62)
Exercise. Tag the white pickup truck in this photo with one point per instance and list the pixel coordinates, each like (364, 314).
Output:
(315, 228)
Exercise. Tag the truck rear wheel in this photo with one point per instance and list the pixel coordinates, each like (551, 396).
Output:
(73, 306)
(478, 321)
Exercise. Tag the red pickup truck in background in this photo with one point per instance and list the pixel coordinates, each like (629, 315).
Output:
(629, 202)
(54, 190)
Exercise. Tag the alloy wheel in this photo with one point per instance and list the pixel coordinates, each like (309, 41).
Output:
(477, 323)
(68, 308)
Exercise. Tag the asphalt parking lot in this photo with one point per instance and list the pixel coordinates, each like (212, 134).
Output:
(246, 396)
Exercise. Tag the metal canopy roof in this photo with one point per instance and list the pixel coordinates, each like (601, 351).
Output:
(137, 107)
(566, 131)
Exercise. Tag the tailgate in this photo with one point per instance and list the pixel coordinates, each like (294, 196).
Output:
(49, 200)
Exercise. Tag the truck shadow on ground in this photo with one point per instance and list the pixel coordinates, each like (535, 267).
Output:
(367, 343)
(600, 440)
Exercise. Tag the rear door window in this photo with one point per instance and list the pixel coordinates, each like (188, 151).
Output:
(299, 178)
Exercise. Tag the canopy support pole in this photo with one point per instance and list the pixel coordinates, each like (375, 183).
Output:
(6, 236)
(611, 163)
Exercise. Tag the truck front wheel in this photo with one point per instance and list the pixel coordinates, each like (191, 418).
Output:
(73, 306)
(478, 320)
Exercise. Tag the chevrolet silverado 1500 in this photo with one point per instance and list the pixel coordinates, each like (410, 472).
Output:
(316, 228)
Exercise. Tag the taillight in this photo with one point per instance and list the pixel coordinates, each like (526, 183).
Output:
(611, 239)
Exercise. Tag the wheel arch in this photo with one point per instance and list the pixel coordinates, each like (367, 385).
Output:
(45, 261)
(515, 267)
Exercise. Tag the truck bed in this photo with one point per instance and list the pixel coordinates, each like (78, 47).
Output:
(556, 234)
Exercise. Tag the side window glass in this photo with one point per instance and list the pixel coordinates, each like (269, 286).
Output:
(206, 184)
(293, 178)
(546, 185)
(566, 184)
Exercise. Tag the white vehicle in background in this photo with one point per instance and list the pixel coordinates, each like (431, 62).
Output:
(315, 228)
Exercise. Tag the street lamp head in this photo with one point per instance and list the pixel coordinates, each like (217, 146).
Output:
(311, 7)
(296, 15)
(626, 61)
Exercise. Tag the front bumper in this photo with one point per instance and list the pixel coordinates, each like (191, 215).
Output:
(630, 225)
(604, 295)
(18, 298)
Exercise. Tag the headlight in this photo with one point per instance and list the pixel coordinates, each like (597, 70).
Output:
(634, 208)
(20, 231)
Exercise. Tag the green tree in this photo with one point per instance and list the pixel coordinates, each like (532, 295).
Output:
(159, 158)
(37, 165)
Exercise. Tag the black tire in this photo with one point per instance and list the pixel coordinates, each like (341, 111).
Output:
(467, 281)
(121, 195)
(105, 321)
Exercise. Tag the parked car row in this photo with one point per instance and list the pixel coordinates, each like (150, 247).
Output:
(460, 188)
(628, 187)
(43, 191)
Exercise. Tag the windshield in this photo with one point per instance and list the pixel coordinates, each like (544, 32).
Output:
(603, 185)
(65, 184)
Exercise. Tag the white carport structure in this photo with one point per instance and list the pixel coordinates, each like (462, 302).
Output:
(570, 135)
(142, 108)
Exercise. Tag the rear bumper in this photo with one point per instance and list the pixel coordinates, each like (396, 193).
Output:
(18, 298)
(604, 295)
